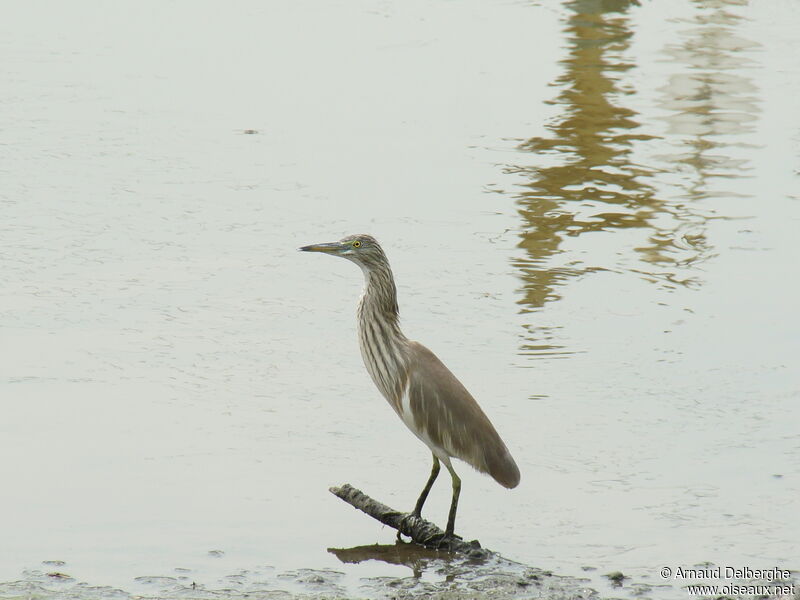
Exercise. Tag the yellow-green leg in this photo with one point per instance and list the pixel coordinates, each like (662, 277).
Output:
(451, 519)
(417, 512)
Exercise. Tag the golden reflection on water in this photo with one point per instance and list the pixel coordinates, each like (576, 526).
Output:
(710, 99)
(588, 175)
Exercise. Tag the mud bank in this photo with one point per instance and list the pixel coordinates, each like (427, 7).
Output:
(433, 575)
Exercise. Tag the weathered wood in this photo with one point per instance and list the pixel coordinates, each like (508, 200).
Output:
(419, 530)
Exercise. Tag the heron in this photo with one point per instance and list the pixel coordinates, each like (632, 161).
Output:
(427, 397)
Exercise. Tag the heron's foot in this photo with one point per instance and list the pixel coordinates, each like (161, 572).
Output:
(404, 523)
(443, 541)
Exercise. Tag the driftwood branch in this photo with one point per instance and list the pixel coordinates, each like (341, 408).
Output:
(419, 530)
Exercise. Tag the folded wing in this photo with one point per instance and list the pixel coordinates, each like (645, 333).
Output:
(447, 414)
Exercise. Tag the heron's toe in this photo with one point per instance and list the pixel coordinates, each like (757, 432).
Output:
(443, 541)
(405, 523)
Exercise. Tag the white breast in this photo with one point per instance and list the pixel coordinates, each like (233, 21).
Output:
(408, 418)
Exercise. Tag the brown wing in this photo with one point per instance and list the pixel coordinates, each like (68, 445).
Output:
(447, 413)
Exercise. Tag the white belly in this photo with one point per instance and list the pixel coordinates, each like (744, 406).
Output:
(408, 418)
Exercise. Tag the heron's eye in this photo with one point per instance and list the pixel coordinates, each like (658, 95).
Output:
(356, 244)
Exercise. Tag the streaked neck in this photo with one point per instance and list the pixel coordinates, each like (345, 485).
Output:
(383, 345)
(378, 304)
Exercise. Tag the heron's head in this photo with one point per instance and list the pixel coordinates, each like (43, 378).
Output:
(361, 249)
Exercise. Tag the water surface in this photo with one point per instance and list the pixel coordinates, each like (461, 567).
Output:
(591, 210)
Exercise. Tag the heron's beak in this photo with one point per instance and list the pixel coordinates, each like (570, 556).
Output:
(330, 248)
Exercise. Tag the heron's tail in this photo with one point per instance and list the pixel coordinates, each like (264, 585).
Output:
(501, 466)
(488, 454)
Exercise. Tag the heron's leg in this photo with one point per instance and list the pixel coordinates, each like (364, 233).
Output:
(451, 519)
(417, 512)
(427, 489)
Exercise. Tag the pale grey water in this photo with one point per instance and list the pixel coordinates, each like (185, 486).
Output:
(591, 209)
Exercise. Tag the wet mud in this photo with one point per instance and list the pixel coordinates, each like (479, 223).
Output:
(433, 575)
